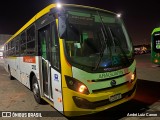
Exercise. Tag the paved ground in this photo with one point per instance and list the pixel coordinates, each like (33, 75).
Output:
(149, 89)
(146, 70)
(15, 97)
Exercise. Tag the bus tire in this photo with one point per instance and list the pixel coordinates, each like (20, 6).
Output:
(10, 76)
(36, 91)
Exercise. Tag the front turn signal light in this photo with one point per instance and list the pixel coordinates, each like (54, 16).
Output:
(133, 76)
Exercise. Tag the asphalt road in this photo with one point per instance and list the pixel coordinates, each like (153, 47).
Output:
(146, 70)
(16, 97)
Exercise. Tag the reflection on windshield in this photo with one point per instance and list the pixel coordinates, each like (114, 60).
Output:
(85, 40)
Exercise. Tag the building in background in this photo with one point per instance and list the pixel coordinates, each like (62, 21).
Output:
(3, 39)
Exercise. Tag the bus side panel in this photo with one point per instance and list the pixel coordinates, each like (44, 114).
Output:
(12, 64)
(28, 64)
(18, 69)
(66, 70)
(23, 72)
(5, 64)
(57, 89)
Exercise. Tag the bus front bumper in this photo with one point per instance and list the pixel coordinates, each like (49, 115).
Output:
(76, 104)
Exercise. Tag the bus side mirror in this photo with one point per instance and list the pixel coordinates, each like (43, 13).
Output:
(60, 13)
(62, 26)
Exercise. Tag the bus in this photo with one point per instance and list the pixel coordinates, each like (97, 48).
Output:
(79, 59)
(155, 46)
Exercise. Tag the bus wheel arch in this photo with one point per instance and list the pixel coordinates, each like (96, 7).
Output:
(30, 79)
(35, 89)
(9, 72)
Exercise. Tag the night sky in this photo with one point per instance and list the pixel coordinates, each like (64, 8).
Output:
(140, 17)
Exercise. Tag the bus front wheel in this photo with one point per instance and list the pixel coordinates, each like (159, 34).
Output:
(36, 91)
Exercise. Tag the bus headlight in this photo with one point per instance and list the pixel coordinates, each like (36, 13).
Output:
(156, 61)
(82, 88)
(76, 85)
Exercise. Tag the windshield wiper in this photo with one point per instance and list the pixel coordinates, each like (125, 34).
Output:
(103, 42)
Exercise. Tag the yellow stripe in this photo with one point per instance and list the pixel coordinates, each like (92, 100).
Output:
(49, 102)
(11, 57)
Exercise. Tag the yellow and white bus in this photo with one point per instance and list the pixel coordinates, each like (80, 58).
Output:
(77, 58)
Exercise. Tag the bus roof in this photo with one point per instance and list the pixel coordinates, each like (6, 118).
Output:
(156, 30)
(45, 11)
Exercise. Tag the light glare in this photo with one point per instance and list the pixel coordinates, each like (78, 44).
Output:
(118, 15)
(82, 88)
(59, 5)
(156, 61)
(133, 77)
(2, 48)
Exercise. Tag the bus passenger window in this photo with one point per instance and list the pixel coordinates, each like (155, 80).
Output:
(31, 41)
(17, 46)
(23, 44)
(55, 56)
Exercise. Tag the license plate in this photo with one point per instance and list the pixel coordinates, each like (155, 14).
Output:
(115, 97)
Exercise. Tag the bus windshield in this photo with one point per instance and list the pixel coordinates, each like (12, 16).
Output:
(156, 42)
(96, 39)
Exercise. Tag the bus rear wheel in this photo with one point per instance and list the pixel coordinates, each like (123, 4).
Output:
(10, 76)
(36, 91)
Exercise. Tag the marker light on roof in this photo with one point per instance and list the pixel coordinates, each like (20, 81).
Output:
(59, 5)
(118, 15)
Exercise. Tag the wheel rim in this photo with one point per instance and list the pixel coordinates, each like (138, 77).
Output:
(35, 89)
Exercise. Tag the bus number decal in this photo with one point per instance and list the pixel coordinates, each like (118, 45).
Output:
(29, 59)
(34, 67)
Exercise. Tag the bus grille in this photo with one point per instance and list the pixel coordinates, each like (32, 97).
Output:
(101, 90)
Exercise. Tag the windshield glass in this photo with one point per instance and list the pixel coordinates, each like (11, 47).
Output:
(96, 39)
(156, 42)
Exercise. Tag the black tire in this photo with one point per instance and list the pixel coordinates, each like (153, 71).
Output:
(10, 76)
(36, 91)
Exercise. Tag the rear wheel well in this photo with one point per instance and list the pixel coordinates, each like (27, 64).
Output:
(8, 68)
(9, 72)
(30, 79)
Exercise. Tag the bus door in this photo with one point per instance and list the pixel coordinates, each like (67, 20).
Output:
(44, 38)
(50, 80)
